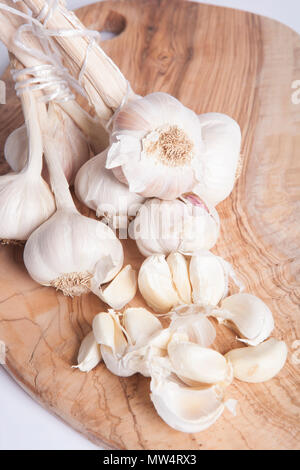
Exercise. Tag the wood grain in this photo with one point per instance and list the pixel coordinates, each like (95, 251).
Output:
(213, 59)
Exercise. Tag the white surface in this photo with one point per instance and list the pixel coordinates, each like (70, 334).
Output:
(23, 423)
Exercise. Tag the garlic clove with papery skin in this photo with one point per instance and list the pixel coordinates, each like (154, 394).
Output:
(192, 321)
(256, 364)
(219, 158)
(140, 324)
(248, 315)
(185, 226)
(179, 269)
(89, 355)
(156, 284)
(100, 190)
(121, 290)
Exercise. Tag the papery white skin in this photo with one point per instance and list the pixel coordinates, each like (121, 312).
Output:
(121, 290)
(220, 157)
(256, 364)
(179, 269)
(89, 355)
(156, 284)
(25, 198)
(72, 148)
(100, 190)
(175, 226)
(208, 278)
(211, 159)
(248, 315)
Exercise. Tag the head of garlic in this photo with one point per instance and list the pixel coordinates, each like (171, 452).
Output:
(71, 146)
(26, 200)
(100, 190)
(185, 225)
(70, 252)
(247, 315)
(159, 150)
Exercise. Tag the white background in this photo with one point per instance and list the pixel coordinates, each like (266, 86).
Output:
(23, 423)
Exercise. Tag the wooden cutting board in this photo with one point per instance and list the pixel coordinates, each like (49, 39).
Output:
(213, 59)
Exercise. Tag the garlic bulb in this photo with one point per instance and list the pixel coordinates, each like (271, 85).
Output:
(158, 149)
(70, 252)
(220, 157)
(156, 284)
(260, 363)
(72, 148)
(89, 354)
(100, 190)
(208, 278)
(186, 225)
(121, 290)
(25, 198)
(248, 315)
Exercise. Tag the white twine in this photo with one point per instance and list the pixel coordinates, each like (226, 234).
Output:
(52, 78)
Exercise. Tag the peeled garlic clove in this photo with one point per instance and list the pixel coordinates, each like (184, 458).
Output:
(163, 227)
(199, 364)
(89, 354)
(156, 285)
(104, 329)
(183, 408)
(140, 324)
(179, 270)
(16, 149)
(208, 279)
(100, 190)
(255, 364)
(249, 316)
(121, 289)
(220, 157)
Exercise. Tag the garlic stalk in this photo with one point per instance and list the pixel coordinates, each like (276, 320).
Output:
(98, 189)
(185, 226)
(89, 355)
(72, 147)
(25, 198)
(247, 315)
(162, 149)
(256, 364)
(70, 252)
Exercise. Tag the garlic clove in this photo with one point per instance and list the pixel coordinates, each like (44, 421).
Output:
(89, 354)
(208, 279)
(156, 285)
(104, 330)
(195, 324)
(256, 364)
(220, 157)
(179, 270)
(249, 316)
(121, 290)
(183, 408)
(199, 364)
(115, 363)
(140, 324)
(98, 188)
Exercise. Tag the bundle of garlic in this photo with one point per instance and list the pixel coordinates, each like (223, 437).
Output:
(98, 189)
(72, 147)
(26, 200)
(166, 282)
(185, 225)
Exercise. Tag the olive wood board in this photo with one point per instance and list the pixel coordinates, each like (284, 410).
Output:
(214, 60)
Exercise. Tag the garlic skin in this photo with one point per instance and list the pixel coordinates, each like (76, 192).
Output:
(156, 284)
(100, 190)
(73, 253)
(208, 279)
(121, 290)
(71, 146)
(183, 226)
(256, 364)
(89, 355)
(220, 157)
(248, 315)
